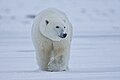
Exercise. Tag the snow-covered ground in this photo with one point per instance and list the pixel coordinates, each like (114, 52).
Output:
(95, 51)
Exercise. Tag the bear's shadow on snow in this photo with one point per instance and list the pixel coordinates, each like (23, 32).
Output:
(92, 70)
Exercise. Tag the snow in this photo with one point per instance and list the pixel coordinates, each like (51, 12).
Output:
(95, 50)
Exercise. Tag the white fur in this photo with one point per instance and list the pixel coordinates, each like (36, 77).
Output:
(52, 51)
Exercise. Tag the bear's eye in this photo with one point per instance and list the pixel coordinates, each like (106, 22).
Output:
(57, 26)
(64, 27)
(46, 22)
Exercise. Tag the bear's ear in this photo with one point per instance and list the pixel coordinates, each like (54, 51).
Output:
(47, 22)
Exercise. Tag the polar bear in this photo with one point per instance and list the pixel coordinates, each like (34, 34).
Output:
(51, 36)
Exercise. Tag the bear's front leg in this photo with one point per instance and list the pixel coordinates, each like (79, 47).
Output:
(59, 59)
(53, 65)
(58, 63)
(63, 63)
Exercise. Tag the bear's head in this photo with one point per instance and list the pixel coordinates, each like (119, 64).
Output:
(53, 29)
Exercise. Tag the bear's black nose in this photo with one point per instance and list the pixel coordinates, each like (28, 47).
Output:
(64, 35)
